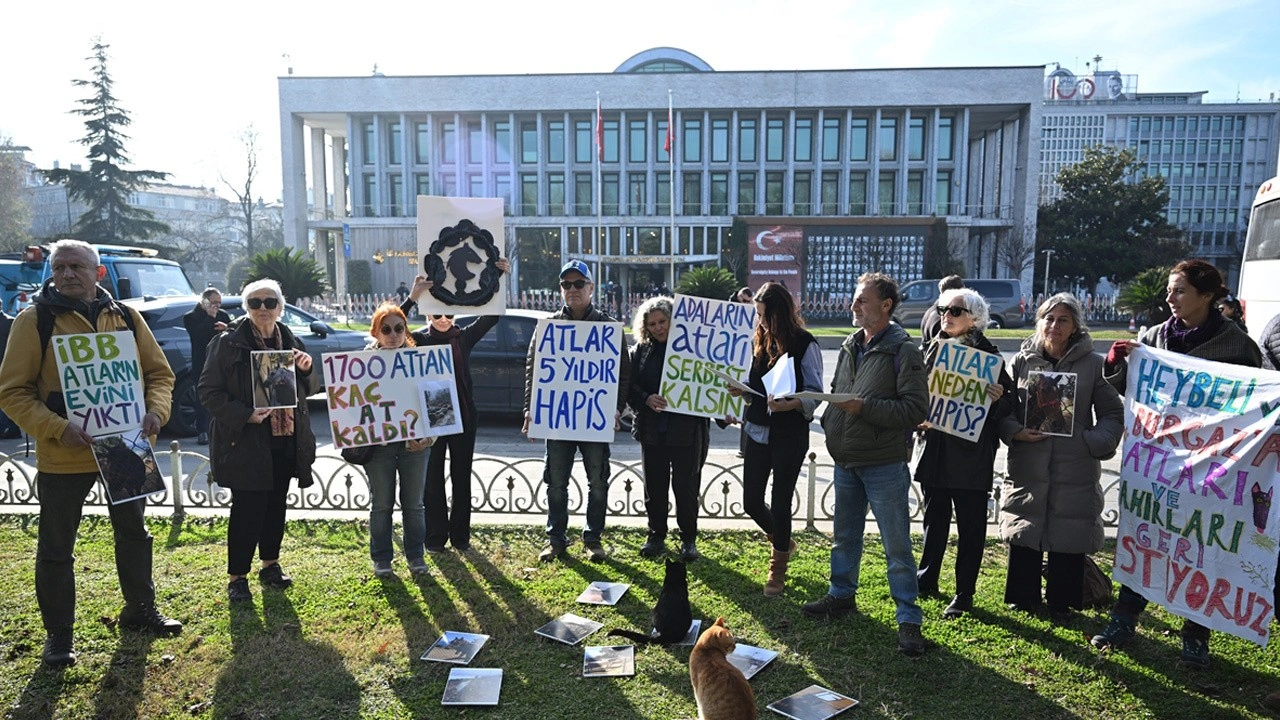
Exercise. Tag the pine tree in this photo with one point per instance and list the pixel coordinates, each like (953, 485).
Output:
(105, 187)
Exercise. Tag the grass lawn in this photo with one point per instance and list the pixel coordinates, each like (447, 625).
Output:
(342, 644)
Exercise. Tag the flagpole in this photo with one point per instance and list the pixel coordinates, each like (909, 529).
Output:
(671, 183)
(599, 190)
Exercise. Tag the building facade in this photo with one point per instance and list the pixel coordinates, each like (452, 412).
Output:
(1213, 156)
(915, 167)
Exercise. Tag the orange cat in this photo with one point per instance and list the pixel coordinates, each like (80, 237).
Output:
(720, 689)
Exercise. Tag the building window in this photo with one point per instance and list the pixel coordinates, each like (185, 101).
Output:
(368, 144)
(528, 142)
(719, 193)
(915, 192)
(804, 140)
(502, 139)
(692, 140)
(636, 137)
(773, 193)
(662, 199)
(830, 193)
(946, 138)
(774, 140)
(746, 140)
(555, 193)
(691, 201)
(636, 202)
(830, 139)
(370, 189)
(395, 183)
(915, 139)
(610, 141)
(448, 143)
(747, 193)
(555, 141)
(858, 140)
(475, 143)
(887, 140)
(422, 183)
(660, 142)
(393, 144)
(888, 206)
(609, 192)
(502, 189)
(583, 194)
(449, 185)
(422, 153)
(802, 193)
(529, 194)
(942, 193)
(475, 185)
(583, 141)
(719, 140)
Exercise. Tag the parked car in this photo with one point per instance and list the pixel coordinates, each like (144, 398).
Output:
(497, 361)
(1005, 297)
(164, 317)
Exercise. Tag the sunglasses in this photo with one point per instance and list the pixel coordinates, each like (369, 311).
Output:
(575, 284)
(390, 329)
(259, 303)
(438, 317)
(953, 310)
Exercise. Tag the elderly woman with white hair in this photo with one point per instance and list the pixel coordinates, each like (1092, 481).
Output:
(956, 472)
(1052, 499)
(255, 451)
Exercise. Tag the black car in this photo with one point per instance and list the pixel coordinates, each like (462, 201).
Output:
(497, 361)
(164, 317)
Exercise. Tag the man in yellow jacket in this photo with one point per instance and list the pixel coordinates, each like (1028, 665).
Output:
(31, 394)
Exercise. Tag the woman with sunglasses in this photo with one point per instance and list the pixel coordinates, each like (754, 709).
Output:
(445, 524)
(255, 451)
(1052, 498)
(390, 331)
(956, 472)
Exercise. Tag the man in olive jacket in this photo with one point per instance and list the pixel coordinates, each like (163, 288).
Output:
(868, 437)
(31, 394)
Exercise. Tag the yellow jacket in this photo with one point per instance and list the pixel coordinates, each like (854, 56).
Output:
(26, 382)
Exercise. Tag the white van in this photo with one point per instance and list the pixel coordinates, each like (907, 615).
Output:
(1260, 269)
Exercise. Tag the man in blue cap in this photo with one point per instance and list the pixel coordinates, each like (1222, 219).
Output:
(576, 289)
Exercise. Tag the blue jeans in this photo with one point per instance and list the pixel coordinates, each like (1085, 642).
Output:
(559, 464)
(886, 488)
(381, 470)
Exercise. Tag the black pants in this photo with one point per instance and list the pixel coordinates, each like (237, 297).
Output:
(61, 506)
(1132, 604)
(675, 468)
(1063, 584)
(971, 529)
(783, 456)
(257, 518)
(445, 524)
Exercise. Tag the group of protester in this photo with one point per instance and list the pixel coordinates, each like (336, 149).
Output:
(1051, 501)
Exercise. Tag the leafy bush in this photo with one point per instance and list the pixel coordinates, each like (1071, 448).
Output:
(298, 274)
(236, 275)
(708, 282)
(1144, 295)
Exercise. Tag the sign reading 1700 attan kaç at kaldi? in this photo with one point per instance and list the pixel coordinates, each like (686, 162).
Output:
(101, 381)
(706, 335)
(383, 396)
(576, 366)
(1200, 461)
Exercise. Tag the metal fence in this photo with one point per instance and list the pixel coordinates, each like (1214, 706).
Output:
(503, 490)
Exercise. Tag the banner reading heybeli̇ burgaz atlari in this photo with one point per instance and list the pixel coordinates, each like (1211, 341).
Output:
(374, 396)
(1199, 464)
(575, 380)
(706, 334)
(958, 398)
(101, 381)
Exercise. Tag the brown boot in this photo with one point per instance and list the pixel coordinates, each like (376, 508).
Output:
(777, 580)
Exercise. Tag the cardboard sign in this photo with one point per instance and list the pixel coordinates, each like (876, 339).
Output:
(575, 380)
(958, 398)
(377, 396)
(460, 258)
(101, 381)
(1201, 457)
(706, 337)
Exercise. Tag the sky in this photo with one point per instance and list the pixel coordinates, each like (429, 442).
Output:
(194, 80)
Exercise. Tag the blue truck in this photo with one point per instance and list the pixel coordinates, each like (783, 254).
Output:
(132, 272)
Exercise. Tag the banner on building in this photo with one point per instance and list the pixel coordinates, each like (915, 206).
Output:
(382, 396)
(460, 241)
(775, 253)
(101, 381)
(1201, 457)
(706, 335)
(575, 380)
(958, 398)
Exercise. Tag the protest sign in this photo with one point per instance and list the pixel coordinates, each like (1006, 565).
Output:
(377, 396)
(101, 381)
(460, 241)
(707, 337)
(1051, 402)
(1201, 456)
(575, 380)
(127, 465)
(958, 399)
(275, 384)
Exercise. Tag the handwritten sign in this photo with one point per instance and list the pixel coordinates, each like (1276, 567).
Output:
(706, 337)
(101, 381)
(377, 397)
(958, 399)
(575, 380)
(1197, 532)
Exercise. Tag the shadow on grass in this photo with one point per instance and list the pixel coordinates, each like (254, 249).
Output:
(120, 689)
(39, 699)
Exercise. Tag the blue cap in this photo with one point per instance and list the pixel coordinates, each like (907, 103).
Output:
(579, 267)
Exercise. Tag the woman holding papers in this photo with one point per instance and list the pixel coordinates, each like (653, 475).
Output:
(1196, 328)
(956, 471)
(777, 429)
(672, 446)
(1052, 498)
(254, 451)
(390, 331)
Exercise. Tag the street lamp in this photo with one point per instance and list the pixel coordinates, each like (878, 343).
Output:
(1048, 255)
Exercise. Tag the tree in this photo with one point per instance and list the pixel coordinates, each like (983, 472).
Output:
(1144, 295)
(247, 209)
(15, 213)
(1108, 222)
(105, 187)
(708, 282)
(733, 253)
(298, 274)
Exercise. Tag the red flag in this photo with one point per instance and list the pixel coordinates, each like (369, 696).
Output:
(670, 129)
(599, 132)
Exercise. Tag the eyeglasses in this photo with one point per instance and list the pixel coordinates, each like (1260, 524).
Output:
(259, 303)
(441, 317)
(390, 329)
(575, 284)
(953, 310)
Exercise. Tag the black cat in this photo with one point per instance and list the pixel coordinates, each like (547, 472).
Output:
(672, 615)
(1261, 506)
